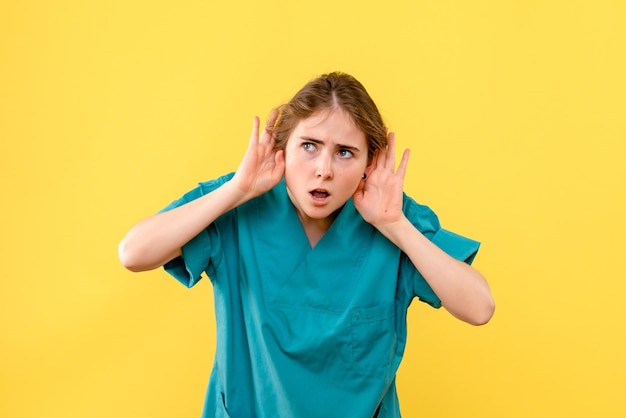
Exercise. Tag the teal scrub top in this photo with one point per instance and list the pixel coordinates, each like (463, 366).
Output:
(301, 331)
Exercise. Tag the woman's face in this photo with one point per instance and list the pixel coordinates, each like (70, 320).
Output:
(326, 156)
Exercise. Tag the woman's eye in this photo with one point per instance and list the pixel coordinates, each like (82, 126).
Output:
(344, 153)
(308, 146)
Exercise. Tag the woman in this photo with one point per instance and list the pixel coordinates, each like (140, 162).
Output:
(315, 254)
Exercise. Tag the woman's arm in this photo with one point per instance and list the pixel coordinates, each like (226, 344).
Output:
(463, 290)
(158, 239)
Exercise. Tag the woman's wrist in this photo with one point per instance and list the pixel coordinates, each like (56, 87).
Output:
(395, 230)
(234, 194)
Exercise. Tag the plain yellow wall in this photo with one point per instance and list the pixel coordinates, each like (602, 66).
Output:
(515, 112)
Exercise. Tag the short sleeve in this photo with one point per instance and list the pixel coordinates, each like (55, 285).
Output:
(455, 245)
(200, 251)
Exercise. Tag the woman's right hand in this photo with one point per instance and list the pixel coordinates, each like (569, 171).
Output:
(159, 238)
(262, 166)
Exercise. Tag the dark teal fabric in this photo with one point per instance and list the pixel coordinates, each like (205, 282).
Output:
(301, 331)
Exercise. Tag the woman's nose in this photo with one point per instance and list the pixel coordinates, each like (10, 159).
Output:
(324, 168)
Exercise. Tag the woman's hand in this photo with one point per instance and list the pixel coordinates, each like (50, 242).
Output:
(463, 291)
(379, 196)
(262, 167)
(159, 238)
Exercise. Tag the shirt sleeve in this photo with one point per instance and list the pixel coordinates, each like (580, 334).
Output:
(202, 250)
(455, 245)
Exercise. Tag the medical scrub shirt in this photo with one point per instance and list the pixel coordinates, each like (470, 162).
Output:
(301, 331)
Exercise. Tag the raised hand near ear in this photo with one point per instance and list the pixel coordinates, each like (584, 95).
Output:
(379, 197)
(262, 166)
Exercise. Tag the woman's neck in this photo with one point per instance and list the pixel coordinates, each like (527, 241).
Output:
(315, 228)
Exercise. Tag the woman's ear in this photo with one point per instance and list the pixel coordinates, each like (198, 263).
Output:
(371, 166)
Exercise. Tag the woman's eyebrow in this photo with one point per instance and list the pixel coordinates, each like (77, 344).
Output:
(339, 146)
(309, 139)
(348, 147)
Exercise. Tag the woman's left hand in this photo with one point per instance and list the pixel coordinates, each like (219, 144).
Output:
(378, 197)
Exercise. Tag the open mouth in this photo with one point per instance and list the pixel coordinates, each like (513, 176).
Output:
(319, 194)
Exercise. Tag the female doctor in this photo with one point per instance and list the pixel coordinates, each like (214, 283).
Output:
(314, 253)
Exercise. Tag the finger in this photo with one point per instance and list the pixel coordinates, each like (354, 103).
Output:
(254, 135)
(269, 125)
(381, 159)
(404, 163)
(391, 151)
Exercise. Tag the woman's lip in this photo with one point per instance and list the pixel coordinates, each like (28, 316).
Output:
(321, 198)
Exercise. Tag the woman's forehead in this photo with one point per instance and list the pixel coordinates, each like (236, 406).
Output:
(336, 117)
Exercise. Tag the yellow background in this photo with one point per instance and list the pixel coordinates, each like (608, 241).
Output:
(515, 112)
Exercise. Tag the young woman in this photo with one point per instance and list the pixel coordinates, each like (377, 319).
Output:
(315, 254)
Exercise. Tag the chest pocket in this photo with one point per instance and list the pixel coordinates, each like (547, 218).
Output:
(373, 336)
